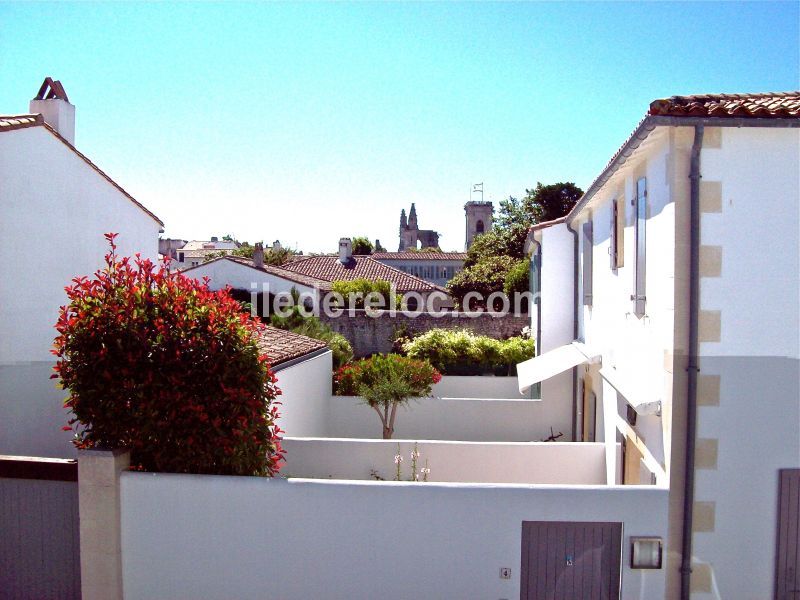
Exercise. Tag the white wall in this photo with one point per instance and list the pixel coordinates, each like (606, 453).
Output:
(55, 211)
(222, 273)
(195, 536)
(464, 386)
(755, 424)
(482, 462)
(453, 419)
(305, 396)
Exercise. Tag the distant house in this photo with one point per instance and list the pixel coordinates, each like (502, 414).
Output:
(169, 247)
(312, 276)
(436, 267)
(195, 252)
(668, 320)
(52, 193)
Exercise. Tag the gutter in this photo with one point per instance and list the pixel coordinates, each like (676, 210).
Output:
(692, 366)
(574, 325)
(649, 123)
(298, 359)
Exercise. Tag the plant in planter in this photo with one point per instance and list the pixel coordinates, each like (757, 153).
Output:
(386, 381)
(157, 363)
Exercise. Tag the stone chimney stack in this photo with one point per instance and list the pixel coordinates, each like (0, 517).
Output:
(276, 246)
(345, 250)
(52, 103)
(258, 255)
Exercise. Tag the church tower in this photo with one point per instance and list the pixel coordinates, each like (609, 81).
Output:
(412, 217)
(479, 219)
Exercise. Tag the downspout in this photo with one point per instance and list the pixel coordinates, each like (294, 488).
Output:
(574, 326)
(692, 366)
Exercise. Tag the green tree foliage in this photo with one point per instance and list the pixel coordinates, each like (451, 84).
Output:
(518, 278)
(485, 277)
(245, 250)
(463, 352)
(158, 363)
(357, 290)
(386, 381)
(362, 245)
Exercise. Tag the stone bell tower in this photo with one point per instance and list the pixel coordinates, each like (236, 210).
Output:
(479, 219)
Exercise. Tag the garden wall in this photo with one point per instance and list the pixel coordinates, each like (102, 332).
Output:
(305, 396)
(556, 463)
(369, 335)
(453, 419)
(201, 536)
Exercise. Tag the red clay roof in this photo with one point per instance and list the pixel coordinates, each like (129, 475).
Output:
(271, 269)
(419, 255)
(12, 122)
(546, 224)
(328, 268)
(767, 105)
(281, 346)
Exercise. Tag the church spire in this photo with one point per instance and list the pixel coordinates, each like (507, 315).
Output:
(412, 217)
(403, 222)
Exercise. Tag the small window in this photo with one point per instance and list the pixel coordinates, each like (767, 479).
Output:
(640, 210)
(586, 263)
(180, 256)
(479, 227)
(617, 245)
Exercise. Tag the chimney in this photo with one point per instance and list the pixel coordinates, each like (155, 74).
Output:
(276, 246)
(214, 238)
(258, 255)
(52, 103)
(345, 250)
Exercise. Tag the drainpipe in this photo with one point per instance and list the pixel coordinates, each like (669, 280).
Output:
(574, 326)
(692, 366)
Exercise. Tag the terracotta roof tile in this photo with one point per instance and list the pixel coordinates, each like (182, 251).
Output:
(768, 105)
(328, 268)
(281, 346)
(546, 224)
(419, 255)
(271, 269)
(11, 122)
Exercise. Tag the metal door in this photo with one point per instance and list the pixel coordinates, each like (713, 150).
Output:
(570, 560)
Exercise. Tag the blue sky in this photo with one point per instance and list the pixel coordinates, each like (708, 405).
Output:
(307, 122)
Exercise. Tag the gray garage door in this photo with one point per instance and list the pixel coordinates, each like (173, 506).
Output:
(569, 560)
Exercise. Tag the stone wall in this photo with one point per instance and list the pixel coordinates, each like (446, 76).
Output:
(369, 334)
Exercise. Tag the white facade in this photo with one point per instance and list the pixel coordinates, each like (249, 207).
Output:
(55, 209)
(749, 323)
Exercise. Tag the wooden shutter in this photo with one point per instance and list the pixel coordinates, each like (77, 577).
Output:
(787, 571)
(588, 248)
(619, 229)
(640, 249)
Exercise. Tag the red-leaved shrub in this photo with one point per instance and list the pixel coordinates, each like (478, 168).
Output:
(157, 363)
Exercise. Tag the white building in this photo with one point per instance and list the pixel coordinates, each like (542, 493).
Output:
(56, 198)
(669, 305)
(195, 252)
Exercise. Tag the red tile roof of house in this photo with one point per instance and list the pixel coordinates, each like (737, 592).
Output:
(328, 268)
(546, 224)
(281, 346)
(12, 122)
(271, 269)
(766, 105)
(419, 255)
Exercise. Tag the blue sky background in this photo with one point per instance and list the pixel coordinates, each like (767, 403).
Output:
(307, 122)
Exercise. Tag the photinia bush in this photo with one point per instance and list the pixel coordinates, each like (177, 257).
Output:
(386, 381)
(157, 363)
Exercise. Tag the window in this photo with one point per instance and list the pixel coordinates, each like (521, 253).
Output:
(640, 210)
(586, 263)
(180, 256)
(479, 227)
(617, 247)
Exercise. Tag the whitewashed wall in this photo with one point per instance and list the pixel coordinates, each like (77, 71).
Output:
(195, 536)
(305, 396)
(755, 424)
(571, 463)
(557, 278)
(462, 386)
(222, 273)
(453, 419)
(55, 211)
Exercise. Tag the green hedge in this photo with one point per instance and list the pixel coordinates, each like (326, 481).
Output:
(462, 352)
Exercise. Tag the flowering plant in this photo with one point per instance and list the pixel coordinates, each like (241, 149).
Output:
(158, 363)
(385, 381)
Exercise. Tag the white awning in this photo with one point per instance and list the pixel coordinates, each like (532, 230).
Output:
(552, 363)
(644, 401)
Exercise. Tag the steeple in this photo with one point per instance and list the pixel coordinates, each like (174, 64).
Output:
(403, 222)
(412, 217)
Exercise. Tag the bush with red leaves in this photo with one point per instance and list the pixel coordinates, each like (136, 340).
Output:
(157, 363)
